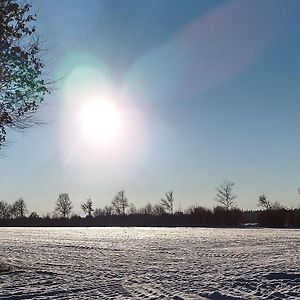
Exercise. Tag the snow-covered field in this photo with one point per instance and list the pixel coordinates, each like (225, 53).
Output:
(150, 263)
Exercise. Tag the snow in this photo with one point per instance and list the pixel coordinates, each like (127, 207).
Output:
(150, 263)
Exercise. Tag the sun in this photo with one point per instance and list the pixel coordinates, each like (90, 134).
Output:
(100, 121)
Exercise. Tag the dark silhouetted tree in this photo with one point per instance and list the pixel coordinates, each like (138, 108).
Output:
(120, 203)
(34, 215)
(23, 85)
(264, 202)
(225, 194)
(64, 205)
(168, 202)
(98, 212)
(273, 217)
(158, 210)
(87, 207)
(5, 210)
(108, 210)
(19, 208)
(200, 215)
(147, 210)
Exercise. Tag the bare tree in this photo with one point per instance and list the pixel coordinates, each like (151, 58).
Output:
(98, 212)
(87, 207)
(225, 194)
(147, 210)
(132, 209)
(108, 210)
(264, 202)
(34, 215)
(120, 203)
(64, 205)
(19, 208)
(277, 205)
(23, 84)
(5, 210)
(168, 202)
(158, 210)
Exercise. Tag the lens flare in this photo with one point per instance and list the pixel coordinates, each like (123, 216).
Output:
(100, 128)
(100, 121)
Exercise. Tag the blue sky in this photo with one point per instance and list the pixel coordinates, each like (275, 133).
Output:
(210, 89)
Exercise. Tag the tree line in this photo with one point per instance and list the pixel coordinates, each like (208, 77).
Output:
(122, 213)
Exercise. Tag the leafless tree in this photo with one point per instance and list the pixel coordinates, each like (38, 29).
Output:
(108, 210)
(132, 209)
(225, 194)
(5, 210)
(277, 205)
(19, 208)
(87, 207)
(147, 210)
(264, 202)
(34, 215)
(120, 203)
(158, 210)
(168, 202)
(98, 212)
(64, 205)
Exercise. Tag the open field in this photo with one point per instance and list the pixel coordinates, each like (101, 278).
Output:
(150, 263)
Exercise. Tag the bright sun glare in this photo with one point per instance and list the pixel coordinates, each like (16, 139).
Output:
(100, 121)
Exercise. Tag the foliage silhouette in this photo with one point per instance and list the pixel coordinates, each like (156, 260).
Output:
(149, 215)
(193, 217)
(274, 217)
(23, 84)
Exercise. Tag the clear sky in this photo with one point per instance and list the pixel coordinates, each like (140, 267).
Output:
(204, 91)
